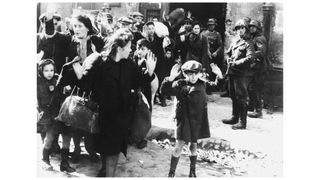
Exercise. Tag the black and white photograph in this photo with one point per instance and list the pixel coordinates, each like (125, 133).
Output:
(161, 89)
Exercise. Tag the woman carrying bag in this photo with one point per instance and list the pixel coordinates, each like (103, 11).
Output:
(83, 44)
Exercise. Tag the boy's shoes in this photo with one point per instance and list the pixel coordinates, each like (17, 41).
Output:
(171, 174)
(192, 173)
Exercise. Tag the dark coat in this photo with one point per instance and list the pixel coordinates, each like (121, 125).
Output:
(46, 91)
(112, 86)
(191, 110)
(68, 75)
(145, 86)
(260, 46)
(54, 48)
(46, 96)
(157, 49)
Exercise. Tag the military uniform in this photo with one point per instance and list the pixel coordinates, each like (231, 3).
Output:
(215, 45)
(239, 72)
(258, 67)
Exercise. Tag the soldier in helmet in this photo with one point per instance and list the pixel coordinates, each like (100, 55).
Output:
(258, 67)
(215, 42)
(241, 54)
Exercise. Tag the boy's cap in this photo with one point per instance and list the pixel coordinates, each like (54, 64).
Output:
(191, 66)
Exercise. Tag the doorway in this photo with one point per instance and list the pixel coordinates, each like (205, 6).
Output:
(203, 11)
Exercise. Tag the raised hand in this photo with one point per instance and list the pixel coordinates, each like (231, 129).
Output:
(175, 72)
(151, 62)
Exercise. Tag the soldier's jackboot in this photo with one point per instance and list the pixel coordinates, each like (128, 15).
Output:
(243, 117)
(173, 166)
(256, 114)
(235, 114)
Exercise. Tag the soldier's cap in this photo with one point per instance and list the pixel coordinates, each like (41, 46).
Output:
(125, 20)
(212, 21)
(191, 66)
(134, 14)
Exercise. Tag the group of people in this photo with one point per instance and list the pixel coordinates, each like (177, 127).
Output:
(112, 61)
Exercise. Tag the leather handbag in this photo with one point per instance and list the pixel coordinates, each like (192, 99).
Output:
(79, 112)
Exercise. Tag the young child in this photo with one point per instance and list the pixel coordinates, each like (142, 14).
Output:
(140, 55)
(191, 110)
(48, 108)
(46, 86)
(149, 89)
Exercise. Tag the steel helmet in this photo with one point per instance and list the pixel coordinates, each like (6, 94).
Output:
(241, 23)
(255, 23)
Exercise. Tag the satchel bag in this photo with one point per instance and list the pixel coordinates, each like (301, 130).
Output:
(79, 112)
